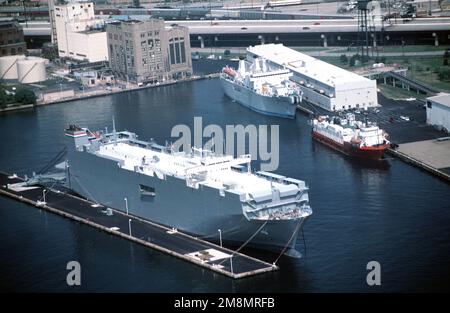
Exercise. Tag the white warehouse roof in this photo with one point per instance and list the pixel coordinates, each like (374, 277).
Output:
(442, 98)
(304, 64)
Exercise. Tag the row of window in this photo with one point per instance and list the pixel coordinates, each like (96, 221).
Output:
(12, 51)
(177, 53)
(11, 32)
(10, 42)
(149, 34)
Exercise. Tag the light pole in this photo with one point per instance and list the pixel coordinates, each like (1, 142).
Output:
(129, 226)
(231, 264)
(220, 237)
(126, 204)
(43, 196)
(403, 47)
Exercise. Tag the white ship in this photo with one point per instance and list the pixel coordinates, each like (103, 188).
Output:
(351, 137)
(198, 192)
(262, 89)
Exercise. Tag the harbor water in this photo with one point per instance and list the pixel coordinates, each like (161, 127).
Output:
(387, 212)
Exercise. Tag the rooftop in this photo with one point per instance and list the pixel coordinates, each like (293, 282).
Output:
(306, 65)
(216, 171)
(442, 98)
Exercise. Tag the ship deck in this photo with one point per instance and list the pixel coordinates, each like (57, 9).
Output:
(188, 248)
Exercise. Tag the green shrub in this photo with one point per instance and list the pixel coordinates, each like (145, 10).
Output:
(25, 96)
(444, 74)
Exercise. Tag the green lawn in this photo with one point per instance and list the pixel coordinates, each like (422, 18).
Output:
(420, 68)
(406, 48)
(398, 93)
(423, 69)
(310, 49)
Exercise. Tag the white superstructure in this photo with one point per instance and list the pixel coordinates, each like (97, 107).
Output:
(323, 84)
(260, 77)
(348, 130)
(80, 34)
(199, 168)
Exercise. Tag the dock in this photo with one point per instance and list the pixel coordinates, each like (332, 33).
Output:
(432, 156)
(158, 237)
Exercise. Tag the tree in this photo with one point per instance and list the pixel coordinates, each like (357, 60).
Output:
(344, 59)
(3, 98)
(444, 74)
(446, 57)
(25, 96)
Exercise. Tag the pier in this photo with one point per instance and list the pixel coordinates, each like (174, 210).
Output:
(429, 155)
(158, 237)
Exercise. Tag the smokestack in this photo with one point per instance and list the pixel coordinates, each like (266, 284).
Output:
(241, 69)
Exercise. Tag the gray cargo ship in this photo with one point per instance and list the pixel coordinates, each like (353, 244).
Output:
(198, 192)
(262, 89)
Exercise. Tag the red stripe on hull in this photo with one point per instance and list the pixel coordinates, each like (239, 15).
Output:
(347, 148)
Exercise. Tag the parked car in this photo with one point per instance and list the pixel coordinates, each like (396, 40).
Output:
(405, 118)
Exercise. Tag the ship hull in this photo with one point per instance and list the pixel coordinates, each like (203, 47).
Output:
(274, 106)
(374, 153)
(201, 212)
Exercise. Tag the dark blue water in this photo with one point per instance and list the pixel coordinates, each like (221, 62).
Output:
(394, 214)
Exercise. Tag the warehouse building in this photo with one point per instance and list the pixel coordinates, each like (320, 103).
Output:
(325, 85)
(80, 35)
(148, 51)
(11, 38)
(438, 111)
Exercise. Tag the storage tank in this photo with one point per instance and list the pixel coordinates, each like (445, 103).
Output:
(8, 66)
(31, 70)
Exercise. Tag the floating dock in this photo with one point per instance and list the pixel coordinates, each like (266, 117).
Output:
(158, 237)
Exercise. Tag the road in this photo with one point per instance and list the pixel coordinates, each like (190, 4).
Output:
(321, 52)
(244, 27)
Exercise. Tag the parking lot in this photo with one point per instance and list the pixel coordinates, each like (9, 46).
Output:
(403, 120)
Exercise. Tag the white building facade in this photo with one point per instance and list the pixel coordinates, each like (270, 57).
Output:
(438, 111)
(80, 35)
(323, 84)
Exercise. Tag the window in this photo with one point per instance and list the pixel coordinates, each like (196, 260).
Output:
(146, 190)
(177, 52)
(172, 54)
(429, 105)
(183, 52)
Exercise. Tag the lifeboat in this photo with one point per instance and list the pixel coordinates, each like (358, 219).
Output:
(229, 71)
